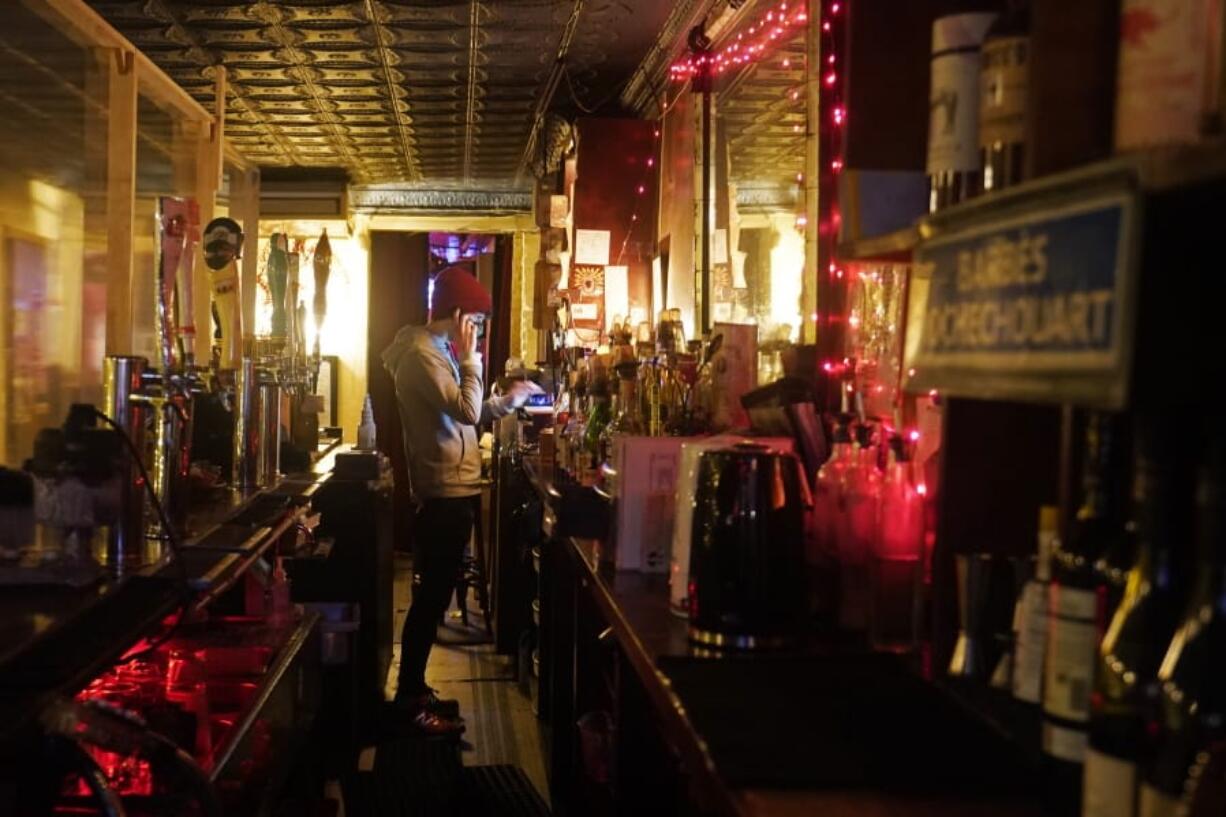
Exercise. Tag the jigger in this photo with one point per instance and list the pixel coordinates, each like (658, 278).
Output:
(974, 578)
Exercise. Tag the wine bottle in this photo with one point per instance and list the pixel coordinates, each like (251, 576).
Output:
(1002, 100)
(1148, 613)
(1188, 719)
(953, 103)
(1072, 634)
(1032, 618)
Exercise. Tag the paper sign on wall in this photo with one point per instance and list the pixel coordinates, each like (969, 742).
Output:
(719, 248)
(584, 311)
(616, 294)
(592, 247)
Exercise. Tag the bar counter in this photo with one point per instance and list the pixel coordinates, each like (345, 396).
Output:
(747, 733)
(54, 638)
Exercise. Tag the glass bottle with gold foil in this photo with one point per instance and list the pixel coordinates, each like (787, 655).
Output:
(1142, 626)
(1072, 634)
(1002, 100)
(1188, 718)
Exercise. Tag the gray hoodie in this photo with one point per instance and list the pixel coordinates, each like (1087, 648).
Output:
(440, 409)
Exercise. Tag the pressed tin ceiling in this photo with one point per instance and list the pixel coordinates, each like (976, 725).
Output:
(435, 93)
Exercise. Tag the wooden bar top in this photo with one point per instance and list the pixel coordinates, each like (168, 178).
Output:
(635, 607)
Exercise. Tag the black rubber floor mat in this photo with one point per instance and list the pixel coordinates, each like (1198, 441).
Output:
(499, 791)
(849, 723)
(416, 778)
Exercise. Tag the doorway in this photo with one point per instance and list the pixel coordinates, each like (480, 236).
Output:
(402, 265)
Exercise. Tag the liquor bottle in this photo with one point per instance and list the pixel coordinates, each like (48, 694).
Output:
(1141, 628)
(649, 397)
(576, 424)
(829, 506)
(598, 417)
(861, 495)
(1111, 571)
(1032, 613)
(1002, 101)
(626, 419)
(1188, 720)
(1072, 633)
(367, 432)
(895, 574)
(953, 108)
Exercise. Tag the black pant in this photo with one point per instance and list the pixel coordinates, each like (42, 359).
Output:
(441, 531)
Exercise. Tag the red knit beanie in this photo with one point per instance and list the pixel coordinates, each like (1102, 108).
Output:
(457, 287)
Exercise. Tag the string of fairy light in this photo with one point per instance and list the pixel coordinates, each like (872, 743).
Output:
(831, 145)
(641, 188)
(759, 41)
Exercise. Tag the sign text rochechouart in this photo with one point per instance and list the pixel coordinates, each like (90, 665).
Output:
(1043, 294)
(1035, 301)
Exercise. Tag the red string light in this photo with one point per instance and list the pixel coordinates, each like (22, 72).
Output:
(747, 46)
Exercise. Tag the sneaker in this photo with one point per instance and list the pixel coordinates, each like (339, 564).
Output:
(420, 720)
(429, 700)
(443, 707)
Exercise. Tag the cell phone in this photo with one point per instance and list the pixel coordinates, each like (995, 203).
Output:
(479, 323)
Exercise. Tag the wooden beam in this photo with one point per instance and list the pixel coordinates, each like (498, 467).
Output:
(120, 198)
(235, 159)
(80, 22)
(209, 149)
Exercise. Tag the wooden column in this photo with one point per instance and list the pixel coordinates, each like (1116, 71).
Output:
(208, 180)
(120, 198)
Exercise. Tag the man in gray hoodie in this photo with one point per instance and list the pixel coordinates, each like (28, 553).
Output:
(437, 372)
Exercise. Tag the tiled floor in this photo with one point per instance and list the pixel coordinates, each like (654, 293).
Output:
(501, 726)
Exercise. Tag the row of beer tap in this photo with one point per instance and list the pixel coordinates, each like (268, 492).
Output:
(261, 384)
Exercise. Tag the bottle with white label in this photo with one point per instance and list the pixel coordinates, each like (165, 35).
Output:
(1002, 102)
(1142, 626)
(953, 108)
(1072, 632)
(1032, 614)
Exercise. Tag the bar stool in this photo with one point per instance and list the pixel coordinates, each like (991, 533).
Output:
(472, 573)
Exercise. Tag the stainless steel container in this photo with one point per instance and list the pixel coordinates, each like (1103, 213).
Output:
(246, 427)
(122, 384)
(269, 443)
(172, 458)
(747, 578)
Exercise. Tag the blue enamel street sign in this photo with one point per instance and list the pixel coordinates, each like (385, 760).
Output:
(1035, 305)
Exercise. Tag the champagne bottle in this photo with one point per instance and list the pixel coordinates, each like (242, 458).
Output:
(1072, 634)
(1188, 719)
(1149, 610)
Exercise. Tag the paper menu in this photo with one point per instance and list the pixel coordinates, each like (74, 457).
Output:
(592, 247)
